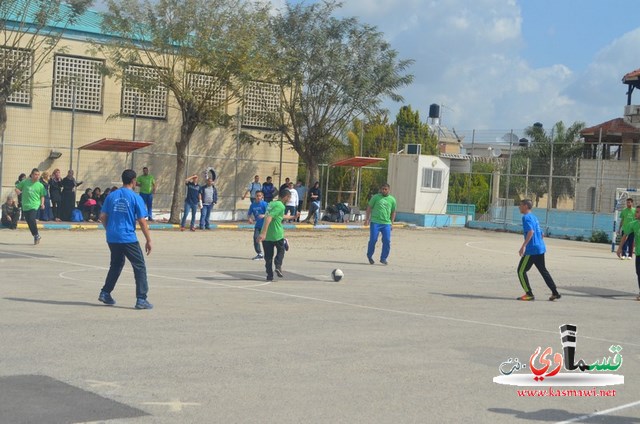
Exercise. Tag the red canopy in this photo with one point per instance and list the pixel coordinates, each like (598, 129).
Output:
(116, 145)
(357, 161)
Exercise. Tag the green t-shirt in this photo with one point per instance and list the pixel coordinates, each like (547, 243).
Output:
(31, 194)
(627, 215)
(381, 208)
(146, 183)
(634, 226)
(275, 231)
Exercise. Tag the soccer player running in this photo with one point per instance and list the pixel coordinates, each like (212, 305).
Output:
(634, 228)
(120, 212)
(33, 194)
(381, 212)
(532, 253)
(256, 214)
(627, 216)
(272, 234)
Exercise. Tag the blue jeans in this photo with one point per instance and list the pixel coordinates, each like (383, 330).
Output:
(314, 208)
(133, 252)
(205, 213)
(148, 200)
(374, 229)
(189, 207)
(256, 243)
(627, 248)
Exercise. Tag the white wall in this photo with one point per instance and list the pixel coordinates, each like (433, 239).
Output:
(405, 178)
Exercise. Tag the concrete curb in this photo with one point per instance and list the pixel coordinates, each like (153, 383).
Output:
(160, 226)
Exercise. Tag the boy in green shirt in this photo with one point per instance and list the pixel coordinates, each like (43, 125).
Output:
(33, 194)
(381, 212)
(272, 234)
(634, 228)
(147, 185)
(627, 216)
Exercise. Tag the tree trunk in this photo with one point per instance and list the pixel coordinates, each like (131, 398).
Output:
(3, 114)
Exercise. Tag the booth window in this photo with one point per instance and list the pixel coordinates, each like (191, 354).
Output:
(208, 88)
(432, 179)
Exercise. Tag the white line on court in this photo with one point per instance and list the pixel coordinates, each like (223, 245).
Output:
(337, 302)
(605, 412)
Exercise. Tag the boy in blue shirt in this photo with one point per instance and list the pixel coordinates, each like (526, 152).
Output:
(119, 214)
(532, 253)
(256, 213)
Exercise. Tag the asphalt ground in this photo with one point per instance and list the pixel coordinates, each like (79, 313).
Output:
(419, 340)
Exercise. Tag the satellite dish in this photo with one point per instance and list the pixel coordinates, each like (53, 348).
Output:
(496, 153)
(510, 138)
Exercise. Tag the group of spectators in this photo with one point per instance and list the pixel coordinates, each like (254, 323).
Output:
(59, 200)
(295, 202)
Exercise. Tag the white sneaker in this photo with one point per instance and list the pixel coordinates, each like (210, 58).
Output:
(629, 257)
(258, 257)
(623, 257)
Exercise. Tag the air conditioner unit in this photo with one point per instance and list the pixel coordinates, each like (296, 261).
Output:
(632, 110)
(412, 149)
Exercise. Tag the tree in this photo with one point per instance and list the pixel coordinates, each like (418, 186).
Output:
(212, 40)
(567, 149)
(412, 131)
(330, 71)
(31, 31)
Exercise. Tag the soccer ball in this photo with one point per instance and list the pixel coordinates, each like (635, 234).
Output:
(337, 275)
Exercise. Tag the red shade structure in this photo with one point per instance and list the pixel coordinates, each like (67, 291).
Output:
(113, 145)
(352, 162)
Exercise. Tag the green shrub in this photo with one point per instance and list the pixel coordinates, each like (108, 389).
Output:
(599, 236)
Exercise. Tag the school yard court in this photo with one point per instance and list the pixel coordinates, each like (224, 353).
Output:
(419, 340)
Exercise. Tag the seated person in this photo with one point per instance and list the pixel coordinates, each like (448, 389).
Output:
(87, 205)
(97, 196)
(10, 213)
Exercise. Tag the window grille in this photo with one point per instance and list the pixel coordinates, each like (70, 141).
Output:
(261, 104)
(142, 96)
(20, 60)
(203, 85)
(81, 75)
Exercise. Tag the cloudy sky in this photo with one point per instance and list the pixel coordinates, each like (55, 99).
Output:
(502, 64)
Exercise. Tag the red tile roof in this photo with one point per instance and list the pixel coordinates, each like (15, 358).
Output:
(633, 75)
(613, 127)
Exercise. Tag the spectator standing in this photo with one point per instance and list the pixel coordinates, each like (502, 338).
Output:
(286, 184)
(292, 204)
(69, 184)
(315, 196)
(32, 200)
(10, 213)
(253, 187)
(147, 184)
(381, 212)
(268, 190)
(55, 192)
(302, 192)
(45, 214)
(256, 214)
(208, 197)
(120, 212)
(191, 202)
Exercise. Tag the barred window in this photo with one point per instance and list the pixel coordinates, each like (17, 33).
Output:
(21, 62)
(432, 178)
(203, 85)
(81, 75)
(142, 96)
(261, 104)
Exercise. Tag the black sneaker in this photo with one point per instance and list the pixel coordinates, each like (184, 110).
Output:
(106, 298)
(270, 279)
(371, 261)
(555, 296)
(279, 272)
(143, 304)
(36, 239)
(383, 261)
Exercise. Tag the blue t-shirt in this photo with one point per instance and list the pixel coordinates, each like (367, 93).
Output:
(123, 208)
(257, 209)
(193, 190)
(536, 244)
